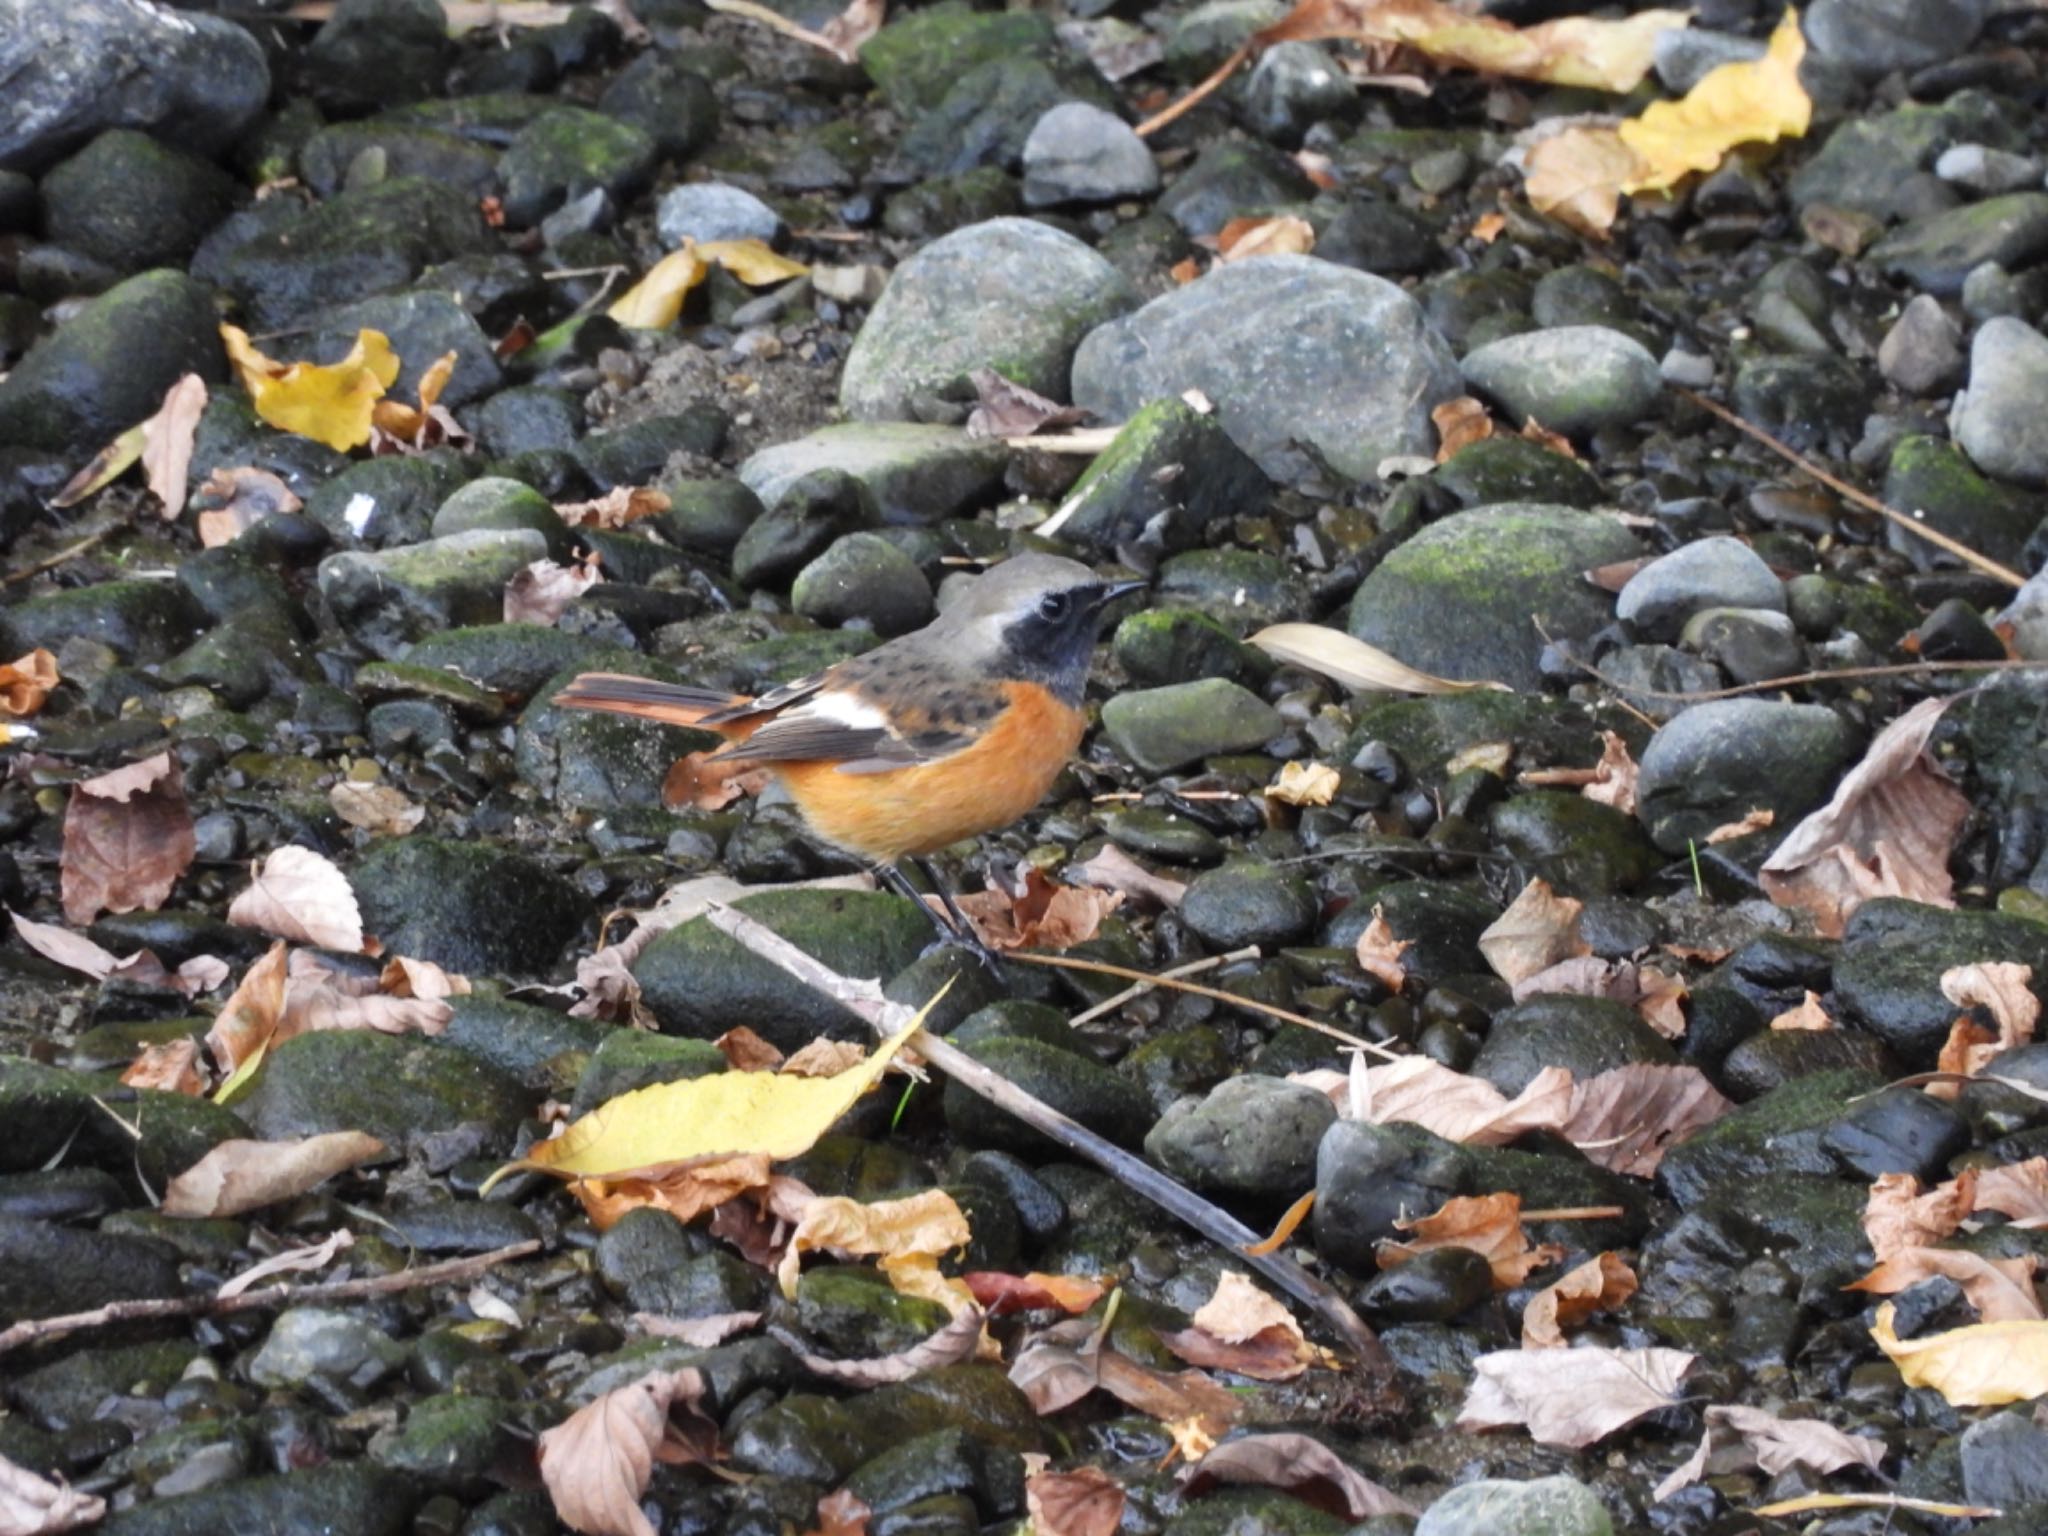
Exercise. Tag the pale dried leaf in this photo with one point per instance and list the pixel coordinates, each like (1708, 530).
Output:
(1574, 1399)
(2002, 988)
(619, 507)
(541, 592)
(1759, 820)
(1242, 1329)
(167, 439)
(1418, 1091)
(1040, 915)
(1888, 831)
(1006, 409)
(597, 1462)
(1488, 1225)
(1772, 1445)
(2017, 1190)
(1304, 784)
(1657, 996)
(35, 1506)
(823, 1058)
(1459, 424)
(1350, 661)
(1306, 1468)
(1577, 177)
(303, 897)
(926, 1225)
(951, 1345)
(1809, 1015)
(1114, 870)
(1627, 1119)
(1084, 1502)
(1538, 929)
(375, 808)
(697, 1332)
(1285, 235)
(169, 1066)
(1982, 1366)
(1611, 781)
(2002, 1290)
(1897, 1216)
(293, 1261)
(25, 683)
(240, 1176)
(1601, 1284)
(73, 951)
(232, 501)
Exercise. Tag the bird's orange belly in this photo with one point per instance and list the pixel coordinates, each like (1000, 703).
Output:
(886, 816)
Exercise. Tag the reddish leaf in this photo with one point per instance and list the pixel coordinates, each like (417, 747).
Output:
(998, 1295)
(127, 838)
(1306, 1468)
(1004, 409)
(1084, 1502)
(1041, 915)
(25, 684)
(1489, 1225)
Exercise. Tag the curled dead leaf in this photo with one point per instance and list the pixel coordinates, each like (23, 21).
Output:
(1601, 1284)
(1538, 929)
(25, 683)
(1489, 1225)
(1575, 1399)
(1304, 784)
(375, 808)
(1306, 1468)
(301, 896)
(596, 1463)
(541, 592)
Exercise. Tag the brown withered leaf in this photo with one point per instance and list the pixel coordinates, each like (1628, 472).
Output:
(1379, 952)
(1601, 1284)
(541, 592)
(1004, 409)
(1058, 1368)
(1418, 1091)
(301, 896)
(745, 1051)
(1611, 781)
(951, 1345)
(1242, 1329)
(1658, 997)
(1553, 442)
(1628, 1118)
(619, 507)
(1772, 1445)
(1571, 1400)
(822, 1058)
(1809, 1015)
(1538, 929)
(2018, 1191)
(597, 1462)
(1114, 870)
(396, 427)
(1305, 1467)
(2002, 1290)
(1487, 227)
(1042, 915)
(1242, 238)
(127, 838)
(1758, 820)
(1576, 177)
(686, 1189)
(375, 808)
(2000, 989)
(232, 501)
(1617, 574)
(1489, 1225)
(1888, 831)
(1459, 424)
(841, 1513)
(240, 1176)
(167, 439)
(170, 1066)
(403, 976)
(1304, 784)
(251, 1014)
(25, 683)
(35, 1506)
(696, 782)
(697, 1332)
(998, 1294)
(1084, 1502)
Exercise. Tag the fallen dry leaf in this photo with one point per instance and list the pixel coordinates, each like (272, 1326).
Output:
(301, 896)
(330, 403)
(1809, 1015)
(1601, 1284)
(375, 808)
(619, 507)
(1242, 1329)
(745, 1051)
(597, 1462)
(240, 1176)
(1658, 997)
(1084, 1502)
(841, 36)
(1888, 831)
(1626, 1119)
(1459, 424)
(1772, 1445)
(1112, 869)
(1242, 238)
(230, 502)
(686, 1189)
(1489, 1225)
(841, 1513)
(1352, 662)
(2016, 1190)
(541, 592)
(910, 1234)
(1982, 1366)
(1418, 1091)
(823, 1058)
(2002, 1290)
(998, 1295)
(167, 442)
(292, 1261)
(25, 683)
(1304, 784)
(1538, 929)
(1573, 1399)
(1005, 409)
(1379, 953)
(169, 1066)
(958, 1341)
(102, 470)
(1576, 176)
(2000, 988)
(697, 1332)
(127, 838)
(1754, 101)
(1759, 820)
(396, 427)
(1611, 781)
(656, 300)
(35, 1506)
(1039, 915)
(1060, 1366)
(247, 1020)
(1306, 1468)
(1898, 1217)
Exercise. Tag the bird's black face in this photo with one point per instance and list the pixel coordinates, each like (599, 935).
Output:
(1051, 640)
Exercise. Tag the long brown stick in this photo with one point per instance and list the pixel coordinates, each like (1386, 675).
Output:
(865, 1000)
(1849, 493)
(37, 1330)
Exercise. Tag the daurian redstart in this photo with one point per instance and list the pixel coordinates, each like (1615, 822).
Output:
(937, 736)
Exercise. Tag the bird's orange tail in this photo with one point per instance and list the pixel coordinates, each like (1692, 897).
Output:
(617, 693)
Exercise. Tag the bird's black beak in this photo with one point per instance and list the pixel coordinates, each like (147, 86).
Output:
(1113, 590)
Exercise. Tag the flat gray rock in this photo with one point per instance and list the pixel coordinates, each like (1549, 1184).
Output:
(1078, 153)
(709, 210)
(1572, 378)
(1999, 421)
(1709, 573)
(916, 473)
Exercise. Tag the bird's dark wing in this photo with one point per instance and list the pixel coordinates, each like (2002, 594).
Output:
(619, 693)
(840, 727)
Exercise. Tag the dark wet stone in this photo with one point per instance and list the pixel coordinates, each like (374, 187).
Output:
(1161, 834)
(1251, 1135)
(1458, 598)
(377, 53)
(1251, 1512)
(583, 759)
(1937, 252)
(1242, 588)
(939, 205)
(672, 105)
(634, 454)
(133, 202)
(1186, 1061)
(1719, 761)
(308, 1344)
(1806, 399)
(1584, 1035)
(986, 116)
(1157, 646)
(810, 515)
(1249, 903)
(527, 417)
(1161, 729)
(1888, 977)
(421, 327)
(1900, 1130)
(936, 321)
(139, 621)
(386, 501)
(1778, 1056)
(1234, 333)
(401, 1090)
(341, 1498)
(1581, 847)
(513, 660)
(1432, 1287)
(630, 1059)
(1291, 88)
(496, 502)
(67, 1196)
(853, 1313)
(471, 907)
(408, 149)
(1869, 161)
(864, 577)
(46, 1269)
(1167, 473)
(1232, 179)
(363, 241)
(1093, 1095)
(2005, 1457)
(946, 1461)
(520, 1039)
(1751, 645)
(823, 1440)
(700, 983)
(69, 1391)
(461, 1226)
(1383, 238)
(916, 58)
(107, 367)
(567, 153)
(1574, 379)
(388, 599)
(1783, 1132)
(1502, 468)
(457, 1442)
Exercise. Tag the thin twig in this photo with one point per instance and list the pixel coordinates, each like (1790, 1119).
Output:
(63, 556)
(1198, 95)
(1802, 679)
(1848, 492)
(1577, 1213)
(38, 1330)
(1138, 989)
(865, 1000)
(1251, 1004)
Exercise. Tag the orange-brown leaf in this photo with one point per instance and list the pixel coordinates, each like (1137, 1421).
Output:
(1601, 1284)
(128, 836)
(1459, 424)
(1489, 1225)
(26, 683)
(1084, 1502)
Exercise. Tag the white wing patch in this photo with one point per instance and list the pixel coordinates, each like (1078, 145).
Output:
(841, 708)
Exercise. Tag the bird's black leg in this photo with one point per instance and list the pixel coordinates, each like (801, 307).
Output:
(899, 882)
(954, 928)
(960, 921)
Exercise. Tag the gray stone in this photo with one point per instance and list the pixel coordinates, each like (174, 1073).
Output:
(1008, 294)
(75, 69)
(1573, 379)
(916, 59)
(340, 1498)
(1998, 420)
(1543, 1506)
(864, 577)
(1933, 482)
(2005, 1459)
(1985, 170)
(1922, 353)
(1872, 163)
(1252, 1136)
(1752, 645)
(987, 116)
(316, 1342)
(1683, 56)
(1291, 88)
(1290, 350)
(1161, 729)
(568, 152)
(1718, 761)
(375, 54)
(132, 202)
(1869, 38)
(1078, 153)
(492, 501)
(710, 210)
(1690, 369)
(1250, 903)
(1708, 573)
(471, 906)
(1232, 178)
(406, 149)
(1463, 598)
(389, 598)
(916, 473)
(404, 1090)
(1938, 251)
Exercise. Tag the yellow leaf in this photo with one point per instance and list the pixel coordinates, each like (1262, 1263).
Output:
(1980, 1366)
(751, 262)
(406, 421)
(728, 1113)
(910, 1234)
(331, 402)
(1577, 177)
(1754, 102)
(653, 303)
(1574, 50)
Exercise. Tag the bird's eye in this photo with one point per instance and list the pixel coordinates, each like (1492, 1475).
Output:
(1053, 607)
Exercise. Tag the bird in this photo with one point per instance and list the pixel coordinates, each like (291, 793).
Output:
(937, 736)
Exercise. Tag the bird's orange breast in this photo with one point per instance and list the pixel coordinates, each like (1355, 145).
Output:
(989, 784)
